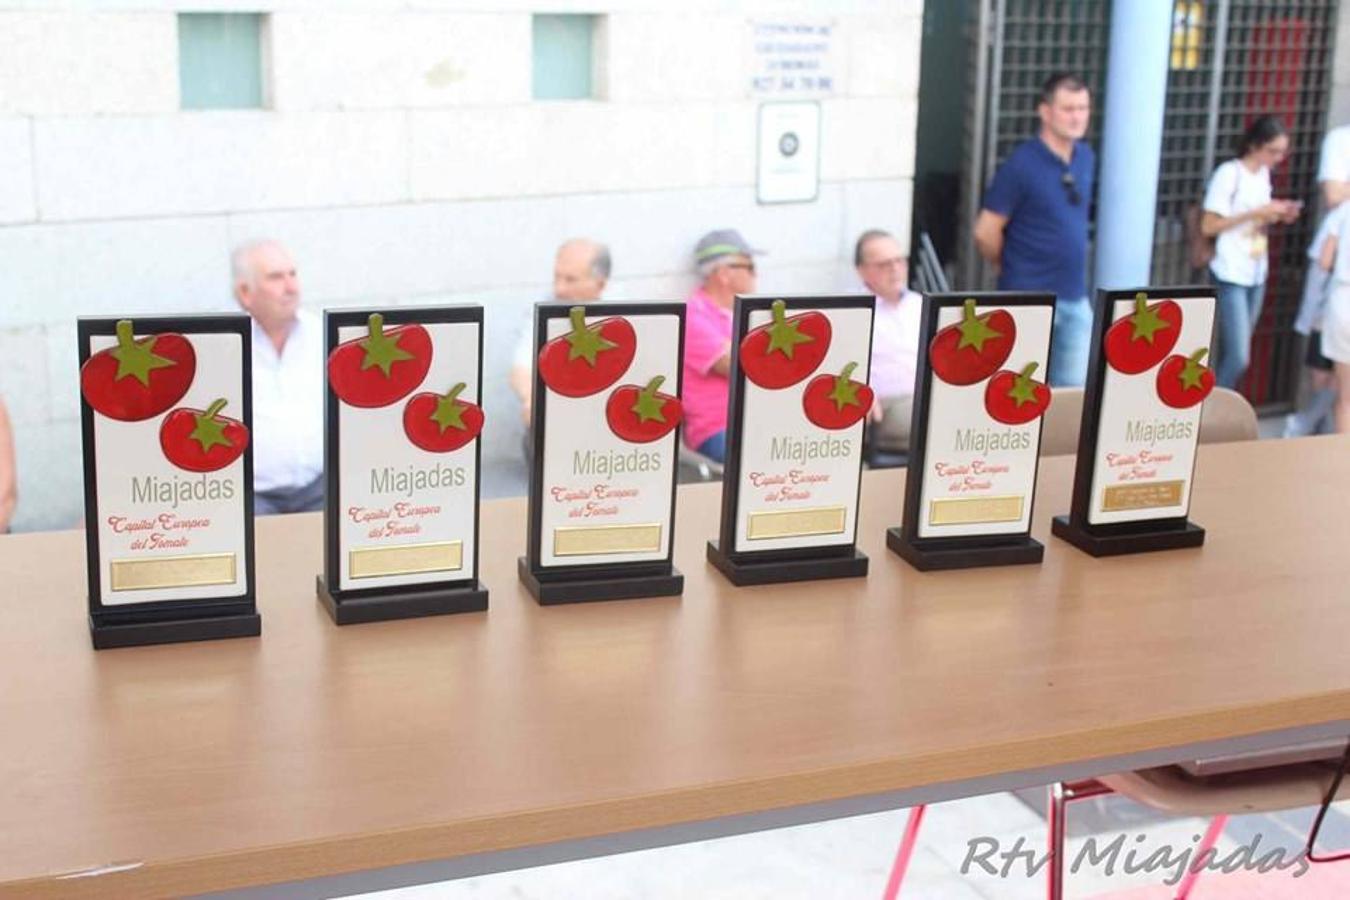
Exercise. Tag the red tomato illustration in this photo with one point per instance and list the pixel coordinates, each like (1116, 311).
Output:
(1015, 398)
(440, 423)
(202, 441)
(1183, 381)
(974, 348)
(589, 358)
(1139, 341)
(836, 401)
(381, 368)
(139, 378)
(641, 415)
(786, 350)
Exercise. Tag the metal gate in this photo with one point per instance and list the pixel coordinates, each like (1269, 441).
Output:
(1016, 44)
(1232, 60)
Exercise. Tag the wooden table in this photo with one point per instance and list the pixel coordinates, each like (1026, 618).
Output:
(525, 735)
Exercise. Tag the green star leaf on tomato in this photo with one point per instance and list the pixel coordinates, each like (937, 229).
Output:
(647, 407)
(975, 330)
(583, 342)
(845, 389)
(1184, 381)
(784, 335)
(969, 351)
(382, 350)
(835, 402)
(449, 411)
(643, 414)
(202, 440)
(381, 368)
(1139, 341)
(138, 378)
(587, 358)
(136, 359)
(1015, 398)
(787, 349)
(208, 431)
(442, 423)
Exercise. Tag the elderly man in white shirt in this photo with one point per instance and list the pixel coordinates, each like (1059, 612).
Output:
(580, 273)
(287, 380)
(884, 267)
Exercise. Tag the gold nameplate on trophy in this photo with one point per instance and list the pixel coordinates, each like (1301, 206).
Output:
(172, 572)
(975, 510)
(1151, 495)
(763, 526)
(598, 539)
(406, 559)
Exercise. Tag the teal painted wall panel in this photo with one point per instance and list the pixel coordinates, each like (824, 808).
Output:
(562, 57)
(220, 60)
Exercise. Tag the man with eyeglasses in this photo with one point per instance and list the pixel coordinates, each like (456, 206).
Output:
(727, 268)
(1033, 226)
(883, 266)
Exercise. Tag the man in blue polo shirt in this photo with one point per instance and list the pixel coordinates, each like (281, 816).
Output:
(1033, 224)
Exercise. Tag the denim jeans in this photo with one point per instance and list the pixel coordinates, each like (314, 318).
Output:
(1071, 342)
(715, 447)
(1239, 308)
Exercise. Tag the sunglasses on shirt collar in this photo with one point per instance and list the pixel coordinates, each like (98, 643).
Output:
(1071, 188)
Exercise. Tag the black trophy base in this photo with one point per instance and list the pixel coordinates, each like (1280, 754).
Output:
(1017, 551)
(586, 590)
(781, 571)
(172, 631)
(409, 604)
(1178, 538)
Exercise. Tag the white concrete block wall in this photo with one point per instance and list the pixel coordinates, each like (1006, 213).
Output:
(18, 195)
(348, 61)
(202, 162)
(404, 162)
(71, 62)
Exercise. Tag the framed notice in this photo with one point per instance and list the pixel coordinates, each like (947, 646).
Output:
(979, 402)
(166, 412)
(788, 168)
(798, 403)
(607, 416)
(1147, 382)
(401, 461)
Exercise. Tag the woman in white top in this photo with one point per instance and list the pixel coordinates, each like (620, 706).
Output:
(1238, 211)
(1336, 318)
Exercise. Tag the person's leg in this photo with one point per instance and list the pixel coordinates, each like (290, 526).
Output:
(1343, 401)
(308, 498)
(892, 432)
(265, 504)
(1235, 333)
(1071, 342)
(1317, 415)
(715, 447)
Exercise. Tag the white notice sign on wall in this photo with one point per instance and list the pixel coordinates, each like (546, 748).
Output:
(789, 152)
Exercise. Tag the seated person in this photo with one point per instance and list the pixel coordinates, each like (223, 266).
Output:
(726, 268)
(288, 385)
(883, 266)
(580, 271)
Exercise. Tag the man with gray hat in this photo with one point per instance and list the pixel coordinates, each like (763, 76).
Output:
(726, 267)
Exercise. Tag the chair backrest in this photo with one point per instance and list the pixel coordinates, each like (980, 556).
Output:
(1059, 432)
(1227, 417)
(928, 272)
(695, 467)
